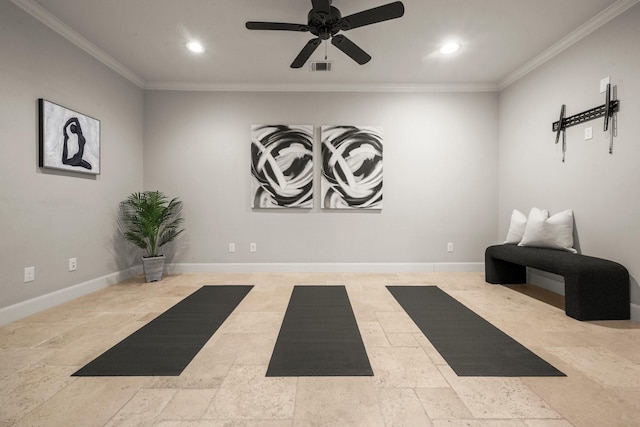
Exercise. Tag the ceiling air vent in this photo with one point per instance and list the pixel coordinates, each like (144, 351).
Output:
(321, 66)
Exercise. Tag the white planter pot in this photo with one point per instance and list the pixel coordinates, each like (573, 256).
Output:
(153, 268)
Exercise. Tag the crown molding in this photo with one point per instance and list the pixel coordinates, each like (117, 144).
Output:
(284, 87)
(38, 12)
(575, 36)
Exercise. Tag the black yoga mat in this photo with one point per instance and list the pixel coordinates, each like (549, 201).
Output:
(319, 336)
(470, 345)
(166, 345)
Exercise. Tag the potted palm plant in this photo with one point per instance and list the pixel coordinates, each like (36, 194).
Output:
(150, 220)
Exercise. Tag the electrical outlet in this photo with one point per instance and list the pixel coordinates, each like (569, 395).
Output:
(232, 247)
(253, 247)
(73, 264)
(29, 274)
(449, 247)
(588, 133)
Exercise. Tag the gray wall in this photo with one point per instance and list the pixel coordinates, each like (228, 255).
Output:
(602, 189)
(454, 162)
(440, 176)
(48, 217)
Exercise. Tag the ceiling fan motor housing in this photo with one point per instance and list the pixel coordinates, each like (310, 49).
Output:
(324, 25)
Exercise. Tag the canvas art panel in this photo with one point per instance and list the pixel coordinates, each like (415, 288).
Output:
(68, 140)
(351, 167)
(282, 166)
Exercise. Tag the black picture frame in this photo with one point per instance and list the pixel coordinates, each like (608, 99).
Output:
(68, 140)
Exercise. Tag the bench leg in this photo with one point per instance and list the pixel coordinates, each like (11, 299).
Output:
(498, 271)
(597, 296)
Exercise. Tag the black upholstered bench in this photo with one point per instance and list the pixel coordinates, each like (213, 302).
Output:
(595, 288)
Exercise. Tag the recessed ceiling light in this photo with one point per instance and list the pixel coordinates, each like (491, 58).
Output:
(195, 47)
(449, 48)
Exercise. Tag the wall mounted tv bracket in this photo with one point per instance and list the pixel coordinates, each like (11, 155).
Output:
(608, 110)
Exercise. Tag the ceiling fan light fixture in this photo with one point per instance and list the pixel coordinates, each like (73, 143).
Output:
(195, 46)
(449, 48)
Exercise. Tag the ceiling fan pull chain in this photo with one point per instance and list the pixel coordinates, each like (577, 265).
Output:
(325, 50)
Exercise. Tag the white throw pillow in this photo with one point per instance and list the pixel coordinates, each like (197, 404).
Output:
(549, 232)
(517, 226)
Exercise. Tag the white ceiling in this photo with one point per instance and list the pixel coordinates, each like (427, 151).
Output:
(144, 40)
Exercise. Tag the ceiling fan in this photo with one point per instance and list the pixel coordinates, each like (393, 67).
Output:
(325, 21)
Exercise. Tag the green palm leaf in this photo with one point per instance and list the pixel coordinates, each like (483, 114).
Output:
(150, 220)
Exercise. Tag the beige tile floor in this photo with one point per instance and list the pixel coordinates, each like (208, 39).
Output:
(225, 385)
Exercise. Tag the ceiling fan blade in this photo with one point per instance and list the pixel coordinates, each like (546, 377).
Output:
(371, 16)
(351, 49)
(306, 52)
(279, 26)
(322, 6)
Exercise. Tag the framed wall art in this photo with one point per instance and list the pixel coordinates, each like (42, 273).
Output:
(351, 167)
(282, 166)
(68, 140)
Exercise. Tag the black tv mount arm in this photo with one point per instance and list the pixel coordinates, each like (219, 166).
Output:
(608, 109)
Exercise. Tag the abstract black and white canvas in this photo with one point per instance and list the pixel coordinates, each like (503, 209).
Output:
(68, 140)
(282, 166)
(351, 167)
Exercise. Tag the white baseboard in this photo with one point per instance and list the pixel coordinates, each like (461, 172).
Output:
(185, 268)
(635, 312)
(35, 305)
(26, 308)
(458, 267)
(546, 280)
